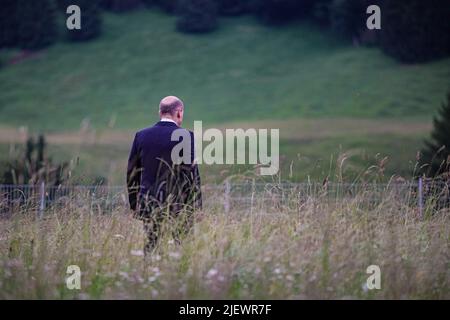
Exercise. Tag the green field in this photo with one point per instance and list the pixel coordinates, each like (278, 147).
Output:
(342, 148)
(243, 72)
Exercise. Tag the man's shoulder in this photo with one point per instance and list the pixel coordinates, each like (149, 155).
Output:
(149, 128)
(146, 130)
(156, 128)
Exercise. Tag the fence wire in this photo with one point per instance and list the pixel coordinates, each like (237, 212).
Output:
(230, 195)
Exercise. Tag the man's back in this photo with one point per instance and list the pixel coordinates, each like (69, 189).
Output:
(150, 160)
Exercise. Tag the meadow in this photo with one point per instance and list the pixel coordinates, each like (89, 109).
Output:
(304, 247)
(346, 113)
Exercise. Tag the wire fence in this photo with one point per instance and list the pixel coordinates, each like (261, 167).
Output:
(232, 195)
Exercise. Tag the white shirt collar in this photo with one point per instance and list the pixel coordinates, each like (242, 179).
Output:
(167, 120)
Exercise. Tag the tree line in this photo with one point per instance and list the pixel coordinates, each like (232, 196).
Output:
(412, 31)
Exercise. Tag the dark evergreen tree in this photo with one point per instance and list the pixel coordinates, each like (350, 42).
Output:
(321, 12)
(233, 7)
(149, 3)
(436, 155)
(281, 11)
(169, 6)
(91, 22)
(349, 18)
(120, 5)
(36, 23)
(197, 16)
(416, 30)
(8, 23)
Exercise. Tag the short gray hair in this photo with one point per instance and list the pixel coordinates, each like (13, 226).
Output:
(170, 104)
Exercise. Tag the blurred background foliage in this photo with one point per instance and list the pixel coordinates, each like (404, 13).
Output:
(334, 88)
(413, 31)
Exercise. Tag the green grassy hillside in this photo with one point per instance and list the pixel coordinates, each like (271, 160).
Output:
(242, 70)
(333, 101)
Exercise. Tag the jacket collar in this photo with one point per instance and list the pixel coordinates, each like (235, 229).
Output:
(166, 124)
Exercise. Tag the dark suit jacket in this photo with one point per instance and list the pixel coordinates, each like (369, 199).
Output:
(151, 172)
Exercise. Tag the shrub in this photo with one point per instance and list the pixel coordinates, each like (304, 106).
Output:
(8, 23)
(320, 12)
(197, 16)
(348, 18)
(169, 6)
(436, 155)
(33, 166)
(91, 21)
(232, 7)
(416, 30)
(149, 3)
(120, 5)
(280, 11)
(36, 23)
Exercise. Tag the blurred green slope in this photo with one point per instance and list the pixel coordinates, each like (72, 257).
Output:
(242, 70)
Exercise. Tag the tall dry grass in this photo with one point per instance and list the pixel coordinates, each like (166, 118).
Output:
(302, 248)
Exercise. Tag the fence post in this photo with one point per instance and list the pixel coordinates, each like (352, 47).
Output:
(226, 203)
(420, 197)
(41, 199)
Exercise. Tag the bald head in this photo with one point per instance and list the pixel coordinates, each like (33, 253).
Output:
(172, 107)
(169, 105)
